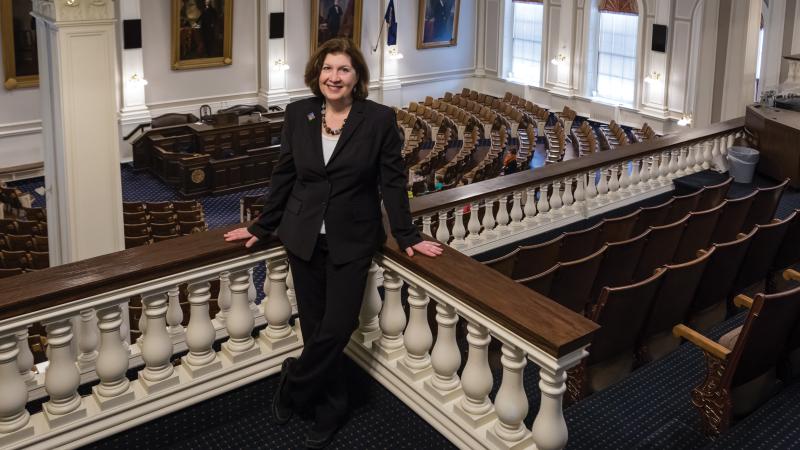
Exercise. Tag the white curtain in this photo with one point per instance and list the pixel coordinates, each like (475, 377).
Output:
(616, 62)
(526, 56)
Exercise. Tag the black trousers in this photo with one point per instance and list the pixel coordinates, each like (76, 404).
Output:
(328, 303)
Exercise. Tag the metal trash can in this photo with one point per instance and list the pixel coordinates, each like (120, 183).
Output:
(742, 163)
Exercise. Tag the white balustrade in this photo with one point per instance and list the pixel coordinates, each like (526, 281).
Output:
(663, 168)
(488, 233)
(417, 337)
(543, 205)
(636, 176)
(445, 384)
(158, 373)
(224, 297)
(459, 232)
(442, 233)
(62, 378)
(602, 188)
(476, 380)
(240, 321)
(25, 358)
(707, 154)
(426, 225)
(624, 181)
(369, 328)
(290, 292)
(174, 314)
(591, 188)
(474, 225)
(556, 203)
(502, 216)
(112, 362)
(613, 184)
(200, 333)
(672, 168)
(511, 403)
(277, 309)
(88, 339)
(516, 212)
(568, 199)
(530, 205)
(14, 418)
(392, 320)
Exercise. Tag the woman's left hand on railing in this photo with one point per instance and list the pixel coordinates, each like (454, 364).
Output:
(427, 248)
(239, 234)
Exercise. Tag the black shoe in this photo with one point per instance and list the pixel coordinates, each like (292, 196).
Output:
(281, 408)
(319, 436)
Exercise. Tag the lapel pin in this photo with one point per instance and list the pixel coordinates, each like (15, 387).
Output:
(310, 116)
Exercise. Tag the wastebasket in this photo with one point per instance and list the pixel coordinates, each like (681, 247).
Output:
(742, 163)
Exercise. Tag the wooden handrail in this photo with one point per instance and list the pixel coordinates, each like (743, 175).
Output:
(437, 201)
(533, 317)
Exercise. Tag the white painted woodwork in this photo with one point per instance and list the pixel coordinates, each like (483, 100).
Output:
(62, 377)
(240, 344)
(445, 357)
(112, 362)
(13, 392)
(417, 338)
(393, 318)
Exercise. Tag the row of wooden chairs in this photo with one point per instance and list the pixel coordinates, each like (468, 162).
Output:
(13, 201)
(613, 135)
(165, 206)
(149, 222)
(14, 261)
(583, 139)
(555, 143)
(22, 226)
(23, 242)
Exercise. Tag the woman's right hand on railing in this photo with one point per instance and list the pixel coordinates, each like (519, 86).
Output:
(239, 234)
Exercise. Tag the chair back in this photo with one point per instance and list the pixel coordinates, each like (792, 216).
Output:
(580, 244)
(164, 229)
(618, 229)
(619, 263)
(762, 251)
(136, 241)
(40, 243)
(172, 119)
(621, 313)
(660, 248)
(14, 259)
(39, 260)
(697, 234)
(5, 273)
(136, 230)
(20, 243)
(573, 281)
(130, 207)
(27, 227)
(162, 217)
(652, 216)
(789, 250)
(711, 196)
(731, 220)
(535, 259)
(159, 206)
(541, 282)
(187, 205)
(8, 226)
(504, 264)
(134, 217)
(764, 205)
(682, 205)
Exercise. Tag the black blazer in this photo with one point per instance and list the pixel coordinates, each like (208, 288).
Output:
(365, 166)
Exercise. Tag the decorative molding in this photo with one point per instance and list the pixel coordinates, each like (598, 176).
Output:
(20, 128)
(74, 10)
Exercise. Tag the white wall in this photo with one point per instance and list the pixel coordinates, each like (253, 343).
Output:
(20, 126)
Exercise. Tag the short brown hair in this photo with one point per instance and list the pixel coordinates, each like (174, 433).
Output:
(338, 45)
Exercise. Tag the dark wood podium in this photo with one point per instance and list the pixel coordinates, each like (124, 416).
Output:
(202, 159)
(778, 135)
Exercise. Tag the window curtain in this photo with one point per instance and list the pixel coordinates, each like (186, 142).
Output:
(526, 54)
(619, 6)
(616, 62)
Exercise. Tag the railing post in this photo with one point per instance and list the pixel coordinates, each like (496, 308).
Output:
(393, 318)
(502, 215)
(568, 199)
(88, 339)
(174, 315)
(459, 232)
(624, 181)
(543, 205)
(112, 363)
(442, 233)
(613, 184)
(707, 155)
(417, 338)
(25, 359)
(369, 327)
(277, 310)
(511, 403)
(488, 220)
(476, 380)
(530, 205)
(636, 176)
(15, 422)
(158, 373)
(555, 201)
(602, 187)
(62, 378)
(200, 334)
(474, 225)
(240, 344)
(445, 385)
(426, 225)
(224, 297)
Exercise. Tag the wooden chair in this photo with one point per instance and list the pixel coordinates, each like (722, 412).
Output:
(660, 248)
(14, 259)
(697, 234)
(504, 264)
(709, 306)
(39, 260)
(731, 220)
(574, 280)
(136, 229)
(250, 207)
(164, 229)
(619, 263)
(741, 375)
(541, 282)
(762, 251)
(580, 244)
(789, 250)
(535, 259)
(619, 228)
(137, 241)
(41, 229)
(131, 207)
(711, 196)
(670, 307)
(187, 205)
(621, 313)
(682, 205)
(159, 206)
(159, 238)
(35, 214)
(165, 217)
(40, 243)
(5, 273)
(792, 359)
(189, 216)
(20, 243)
(30, 227)
(192, 227)
(651, 216)
(8, 226)
(134, 217)
(764, 205)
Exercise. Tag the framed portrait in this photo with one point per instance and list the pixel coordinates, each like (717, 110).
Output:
(438, 23)
(335, 18)
(201, 33)
(18, 36)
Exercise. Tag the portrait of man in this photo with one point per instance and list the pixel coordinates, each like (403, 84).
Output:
(20, 58)
(203, 33)
(438, 23)
(335, 18)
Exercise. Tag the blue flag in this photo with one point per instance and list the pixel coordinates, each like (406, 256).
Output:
(391, 34)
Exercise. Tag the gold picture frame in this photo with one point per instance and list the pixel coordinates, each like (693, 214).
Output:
(437, 25)
(18, 35)
(350, 25)
(197, 41)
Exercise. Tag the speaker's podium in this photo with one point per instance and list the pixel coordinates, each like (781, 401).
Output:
(777, 131)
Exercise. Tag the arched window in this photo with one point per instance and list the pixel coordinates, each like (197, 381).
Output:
(616, 50)
(526, 41)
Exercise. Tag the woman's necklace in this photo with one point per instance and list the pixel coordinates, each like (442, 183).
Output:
(329, 130)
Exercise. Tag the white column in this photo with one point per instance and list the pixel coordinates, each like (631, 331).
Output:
(200, 334)
(417, 338)
(391, 89)
(112, 363)
(158, 373)
(134, 109)
(240, 344)
(62, 378)
(393, 319)
(369, 327)
(273, 80)
(740, 62)
(14, 418)
(511, 403)
(549, 428)
(476, 379)
(277, 310)
(78, 87)
(445, 384)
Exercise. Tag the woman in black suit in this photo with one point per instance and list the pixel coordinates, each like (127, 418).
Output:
(340, 154)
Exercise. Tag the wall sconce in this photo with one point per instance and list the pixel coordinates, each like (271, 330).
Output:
(686, 120)
(559, 60)
(394, 53)
(280, 65)
(135, 80)
(654, 77)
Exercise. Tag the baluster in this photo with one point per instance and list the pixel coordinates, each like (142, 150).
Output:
(652, 173)
(369, 329)
(200, 334)
(62, 378)
(174, 314)
(290, 292)
(516, 212)
(14, 418)
(511, 403)
(24, 360)
(474, 225)
(723, 151)
(458, 229)
(442, 233)
(476, 379)
(112, 363)
(636, 177)
(142, 324)
(488, 220)
(689, 161)
(426, 225)
(568, 199)
(277, 310)
(663, 169)
(698, 157)
(125, 328)
(543, 206)
(672, 168)
(549, 428)
(445, 384)
(580, 195)
(591, 189)
(530, 205)
(224, 297)
(157, 346)
(88, 339)
(613, 184)
(502, 215)
(417, 338)
(252, 296)
(715, 155)
(602, 188)
(240, 344)
(393, 318)
(555, 200)
(707, 155)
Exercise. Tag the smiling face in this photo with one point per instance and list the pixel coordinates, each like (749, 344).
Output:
(337, 77)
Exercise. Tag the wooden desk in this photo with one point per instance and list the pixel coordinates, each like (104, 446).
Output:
(202, 159)
(778, 135)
